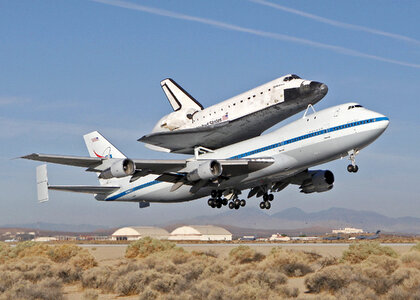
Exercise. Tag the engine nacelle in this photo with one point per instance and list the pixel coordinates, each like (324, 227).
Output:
(208, 170)
(320, 181)
(121, 168)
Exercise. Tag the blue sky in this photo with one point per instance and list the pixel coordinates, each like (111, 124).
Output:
(70, 67)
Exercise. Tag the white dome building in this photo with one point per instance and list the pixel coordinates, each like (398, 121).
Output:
(200, 233)
(138, 232)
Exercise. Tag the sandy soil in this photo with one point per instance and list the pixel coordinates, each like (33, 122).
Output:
(107, 254)
(112, 254)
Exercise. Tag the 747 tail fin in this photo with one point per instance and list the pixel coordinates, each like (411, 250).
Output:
(98, 146)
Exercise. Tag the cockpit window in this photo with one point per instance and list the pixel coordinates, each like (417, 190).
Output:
(291, 77)
(354, 106)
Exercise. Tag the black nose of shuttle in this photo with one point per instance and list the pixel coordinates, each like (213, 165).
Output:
(319, 87)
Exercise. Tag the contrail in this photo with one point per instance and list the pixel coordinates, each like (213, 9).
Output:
(271, 35)
(337, 23)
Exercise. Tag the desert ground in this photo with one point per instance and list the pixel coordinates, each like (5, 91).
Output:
(152, 269)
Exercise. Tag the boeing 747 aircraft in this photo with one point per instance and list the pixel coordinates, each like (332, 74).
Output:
(262, 165)
(236, 119)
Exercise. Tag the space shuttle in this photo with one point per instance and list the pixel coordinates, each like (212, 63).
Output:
(241, 117)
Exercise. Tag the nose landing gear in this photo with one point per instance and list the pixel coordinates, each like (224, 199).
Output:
(353, 168)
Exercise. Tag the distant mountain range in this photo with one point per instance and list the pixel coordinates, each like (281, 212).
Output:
(295, 218)
(256, 220)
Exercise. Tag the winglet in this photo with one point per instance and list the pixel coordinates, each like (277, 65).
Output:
(42, 183)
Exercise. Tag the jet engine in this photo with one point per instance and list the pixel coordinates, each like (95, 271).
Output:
(320, 181)
(208, 170)
(121, 168)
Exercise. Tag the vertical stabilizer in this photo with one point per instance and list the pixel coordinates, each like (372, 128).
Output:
(98, 146)
(42, 183)
(178, 97)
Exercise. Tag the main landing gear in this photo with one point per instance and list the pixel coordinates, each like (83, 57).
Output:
(266, 203)
(352, 168)
(216, 200)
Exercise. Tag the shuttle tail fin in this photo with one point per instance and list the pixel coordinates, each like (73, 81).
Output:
(178, 97)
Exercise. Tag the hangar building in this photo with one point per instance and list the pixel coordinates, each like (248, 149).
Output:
(200, 233)
(138, 232)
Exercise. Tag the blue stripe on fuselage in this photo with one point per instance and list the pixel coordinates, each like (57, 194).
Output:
(266, 148)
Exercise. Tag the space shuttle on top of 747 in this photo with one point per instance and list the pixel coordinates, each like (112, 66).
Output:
(239, 118)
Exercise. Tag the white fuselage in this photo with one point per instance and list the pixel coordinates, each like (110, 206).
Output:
(317, 138)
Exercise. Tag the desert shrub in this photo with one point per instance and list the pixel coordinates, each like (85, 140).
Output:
(358, 252)
(411, 259)
(296, 269)
(146, 246)
(286, 292)
(386, 263)
(416, 247)
(264, 279)
(129, 284)
(167, 282)
(244, 254)
(148, 294)
(356, 290)
(329, 279)
(47, 289)
(293, 263)
(328, 261)
(209, 253)
(90, 295)
(98, 278)
(83, 260)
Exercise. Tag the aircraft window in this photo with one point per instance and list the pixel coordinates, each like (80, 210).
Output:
(288, 78)
(253, 96)
(261, 93)
(358, 105)
(242, 101)
(249, 98)
(269, 89)
(294, 76)
(234, 103)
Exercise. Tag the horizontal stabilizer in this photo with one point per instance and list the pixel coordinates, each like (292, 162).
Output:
(87, 189)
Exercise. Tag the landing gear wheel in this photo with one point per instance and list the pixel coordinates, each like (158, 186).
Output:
(213, 194)
(355, 168)
(265, 197)
(219, 194)
(237, 202)
(210, 201)
(350, 168)
(243, 202)
(237, 206)
(231, 205)
(270, 197)
(267, 205)
(262, 205)
(219, 204)
(224, 201)
(213, 204)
